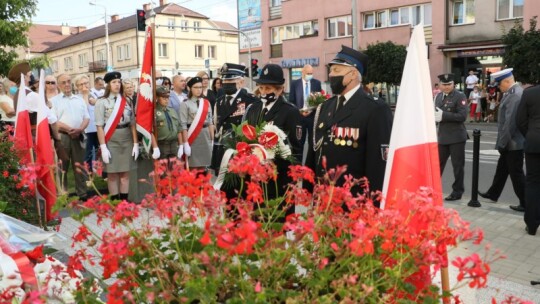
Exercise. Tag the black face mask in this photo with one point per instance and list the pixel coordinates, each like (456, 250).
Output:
(336, 83)
(268, 98)
(229, 88)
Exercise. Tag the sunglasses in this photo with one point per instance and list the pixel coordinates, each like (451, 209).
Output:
(50, 82)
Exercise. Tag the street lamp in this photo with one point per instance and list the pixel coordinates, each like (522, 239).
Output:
(109, 67)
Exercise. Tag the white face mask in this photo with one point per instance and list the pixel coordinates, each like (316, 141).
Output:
(309, 77)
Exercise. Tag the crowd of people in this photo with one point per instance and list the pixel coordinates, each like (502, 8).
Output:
(192, 116)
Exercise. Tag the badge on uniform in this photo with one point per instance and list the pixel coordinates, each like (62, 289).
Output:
(463, 102)
(158, 113)
(298, 132)
(384, 152)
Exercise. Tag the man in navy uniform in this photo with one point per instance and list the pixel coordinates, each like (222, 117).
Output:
(510, 142)
(229, 108)
(451, 112)
(351, 128)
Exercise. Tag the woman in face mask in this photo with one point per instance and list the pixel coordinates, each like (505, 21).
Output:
(275, 109)
(6, 106)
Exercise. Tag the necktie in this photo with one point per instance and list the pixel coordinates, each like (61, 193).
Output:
(340, 103)
(228, 98)
(264, 111)
(306, 92)
(168, 118)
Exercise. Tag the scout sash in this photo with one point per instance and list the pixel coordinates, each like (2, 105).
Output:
(114, 119)
(198, 121)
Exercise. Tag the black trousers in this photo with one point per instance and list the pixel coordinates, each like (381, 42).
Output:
(457, 153)
(307, 127)
(532, 190)
(509, 163)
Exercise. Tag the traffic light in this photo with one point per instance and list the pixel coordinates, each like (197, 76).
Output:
(254, 67)
(141, 20)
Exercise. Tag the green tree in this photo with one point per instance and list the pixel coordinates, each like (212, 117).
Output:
(15, 21)
(386, 62)
(521, 52)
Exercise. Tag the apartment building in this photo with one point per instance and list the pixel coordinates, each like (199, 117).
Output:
(460, 34)
(185, 42)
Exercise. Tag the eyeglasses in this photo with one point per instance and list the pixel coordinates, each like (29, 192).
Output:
(50, 82)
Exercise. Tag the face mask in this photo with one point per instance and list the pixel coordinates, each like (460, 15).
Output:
(12, 90)
(268, 98)
(336, 84)
(229, 88)
(309, 77)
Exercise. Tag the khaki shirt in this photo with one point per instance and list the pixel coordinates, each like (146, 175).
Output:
(167, 131)
(104, 108)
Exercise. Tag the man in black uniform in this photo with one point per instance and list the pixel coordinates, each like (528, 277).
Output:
(229, 108)
(451, 112)
(351, 128)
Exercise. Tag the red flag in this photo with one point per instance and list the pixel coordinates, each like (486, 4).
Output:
(145, 94)
(23, 132)
(46, 186)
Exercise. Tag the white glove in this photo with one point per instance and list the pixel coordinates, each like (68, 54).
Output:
(187, 149)
(285, 149)
(105, 153)
(438, 115)
(156, 154)
(181, 151)
(135, 152)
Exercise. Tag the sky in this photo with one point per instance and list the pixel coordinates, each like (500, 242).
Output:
(81, 13)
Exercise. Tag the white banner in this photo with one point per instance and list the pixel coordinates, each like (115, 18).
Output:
(254, 37)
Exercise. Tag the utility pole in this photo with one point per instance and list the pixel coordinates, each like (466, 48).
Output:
(354, 16)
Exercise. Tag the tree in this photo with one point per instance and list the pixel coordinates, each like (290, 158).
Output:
(521, 52)
(386, 62)
(14, 24)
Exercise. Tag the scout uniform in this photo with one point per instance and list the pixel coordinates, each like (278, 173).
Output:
(355, 134)
(168, 127)
(452, 133)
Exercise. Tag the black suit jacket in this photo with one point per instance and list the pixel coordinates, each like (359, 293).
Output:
(528, 118)
(370, 119)
(296, 92)
(226, 115)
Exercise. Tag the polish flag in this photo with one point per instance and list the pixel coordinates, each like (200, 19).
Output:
(46, 186)
(23, 132)
(413, 157)
(145, 94)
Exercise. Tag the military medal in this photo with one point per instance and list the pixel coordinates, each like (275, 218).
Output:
(337, 141)
(348, 133)
(355, 132)
(321, 125)
(343, 142)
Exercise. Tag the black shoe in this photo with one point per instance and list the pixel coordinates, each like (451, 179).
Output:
(452, 197)
(531, 231)
(518, 208)
(487, 196)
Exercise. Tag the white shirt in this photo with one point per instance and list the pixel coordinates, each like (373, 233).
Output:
(471, 81)
(97, 93)
(475, 97)
(9, 101)
(70, 110)
(349, 94)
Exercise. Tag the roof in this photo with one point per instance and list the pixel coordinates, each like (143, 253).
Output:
(126, 23)
(225, 25)
(44, 36)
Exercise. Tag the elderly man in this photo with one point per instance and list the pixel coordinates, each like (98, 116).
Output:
(73, 118)
(510, 142)
(177, 94)
(351, 128)
(451, 112)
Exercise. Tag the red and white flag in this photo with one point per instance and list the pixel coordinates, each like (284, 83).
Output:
(145, 94)
(413, 158)
(23, 132)
(46, 186)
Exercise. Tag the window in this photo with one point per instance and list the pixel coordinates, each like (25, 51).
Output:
(276, 3)
(55, 65)
(171, 23)
(404, 15)
(82, 60)
(162, 50)
(381, 19)
(294, 31)
(427, 14)
(68, 63)
(119, 53)
(212, 51)
(369, 21)
(184, 25)
(463, 12)
(509, 9)
(394, 16)
(127, 51)
(197, 26)
(339, 27)
(198, 51)
(100, 55)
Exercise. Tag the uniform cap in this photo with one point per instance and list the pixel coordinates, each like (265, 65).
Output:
(500, 75)
(162, 91)
(271, 74)
(112, 76)
(351, 57)
(194, 80)
(232, 71)
(14, 73)
(446, 78)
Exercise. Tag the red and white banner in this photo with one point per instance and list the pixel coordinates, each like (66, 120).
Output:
(145, 94)
(114, 119)
(23, 131)
(46, 186)
(198, 121)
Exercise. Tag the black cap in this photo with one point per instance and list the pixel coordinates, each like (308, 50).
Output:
(232, 71)
(112, 76)
(193, 81)
(271, 74)
(351, 57)
(446, 78)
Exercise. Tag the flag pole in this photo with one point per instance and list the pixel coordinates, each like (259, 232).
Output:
(38, 207)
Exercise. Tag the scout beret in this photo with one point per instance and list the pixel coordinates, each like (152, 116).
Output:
(193, 81)
(111, 76)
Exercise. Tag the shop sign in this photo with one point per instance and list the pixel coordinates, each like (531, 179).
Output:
(298, 63)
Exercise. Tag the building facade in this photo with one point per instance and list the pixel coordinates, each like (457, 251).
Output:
(185, 42)
(460, 34)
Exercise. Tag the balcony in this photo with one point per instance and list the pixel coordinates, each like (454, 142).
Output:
(97, 66)
(275, 12)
